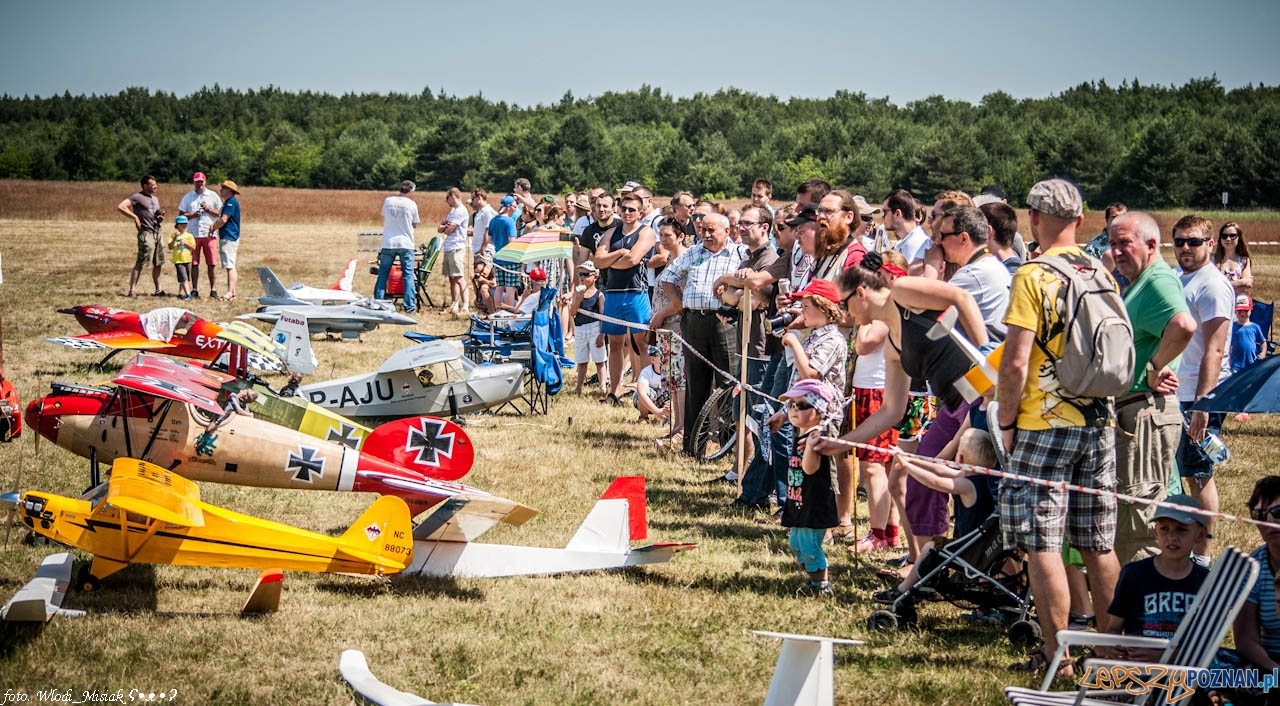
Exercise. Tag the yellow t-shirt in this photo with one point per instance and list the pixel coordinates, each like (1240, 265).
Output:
(182, 245)
(1037, 300)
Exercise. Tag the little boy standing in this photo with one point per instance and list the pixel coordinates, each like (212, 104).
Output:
(810, 509)
(1154, 594)
(181, 245)
(1247, 342)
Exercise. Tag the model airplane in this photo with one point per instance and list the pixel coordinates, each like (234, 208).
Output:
(41, 598)
(429, 378)
(170, 330)
(162, 416)
(442, 543)
(275, 293)
(147, 515)
(10, 405)
(348, 320)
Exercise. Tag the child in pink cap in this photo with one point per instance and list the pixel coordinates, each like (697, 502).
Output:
(810, 510)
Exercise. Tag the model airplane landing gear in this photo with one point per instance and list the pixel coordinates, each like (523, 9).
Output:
(86, 581)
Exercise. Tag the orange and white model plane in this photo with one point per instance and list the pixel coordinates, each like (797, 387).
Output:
(147, 515)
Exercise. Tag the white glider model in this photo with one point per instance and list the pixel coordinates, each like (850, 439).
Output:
(275, 293)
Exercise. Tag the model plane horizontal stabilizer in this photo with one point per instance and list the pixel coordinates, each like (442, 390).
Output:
(355, 670)
(151, 491)
(109, 339)
(463, 518)
(41, 598)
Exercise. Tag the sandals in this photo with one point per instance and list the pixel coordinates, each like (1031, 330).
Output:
(842, 531)
(159, 293)
(888, 596)
(1038, 663)
(229, 297)
(891, 576)
(611, 399)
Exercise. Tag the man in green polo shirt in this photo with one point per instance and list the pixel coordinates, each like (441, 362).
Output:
(1148, 421)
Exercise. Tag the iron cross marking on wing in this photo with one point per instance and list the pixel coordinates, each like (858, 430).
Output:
(345, 436)
(429, 442)
(304, 465)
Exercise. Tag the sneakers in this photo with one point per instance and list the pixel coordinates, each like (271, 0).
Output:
(195, 294)
(815, 588)
(213, 294)
(870, 543)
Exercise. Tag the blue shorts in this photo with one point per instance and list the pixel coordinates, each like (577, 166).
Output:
(806, 546)
(628, 306)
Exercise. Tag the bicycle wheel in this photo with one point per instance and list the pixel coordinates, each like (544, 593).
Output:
(715, 432)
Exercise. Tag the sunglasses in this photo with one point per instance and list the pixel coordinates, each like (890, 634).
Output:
(1230, 236)
(699, 216)
(868, 219)
(1193, 242)
(1261, 514)
(747, 224)
(844, 303)
(588, 274)
(945, 233)
(801, 405)
(628, 209)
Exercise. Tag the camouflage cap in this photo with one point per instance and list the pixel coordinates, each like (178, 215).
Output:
(1056, 197)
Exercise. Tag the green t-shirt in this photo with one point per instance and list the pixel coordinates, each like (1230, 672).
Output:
(1154, 298)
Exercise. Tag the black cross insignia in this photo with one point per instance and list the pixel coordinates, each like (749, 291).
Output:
(305, 465)
(429, 442)
(345, 436)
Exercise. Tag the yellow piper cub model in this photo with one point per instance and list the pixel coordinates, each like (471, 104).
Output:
(147, 515)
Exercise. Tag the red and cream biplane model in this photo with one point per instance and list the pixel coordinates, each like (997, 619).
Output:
(170, 330)
(159, 412)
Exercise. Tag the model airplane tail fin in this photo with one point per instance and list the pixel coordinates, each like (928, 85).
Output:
(617, 518)
(348, 276)
(436, 448)
(382, 536)
(271, 285)
(291, 332)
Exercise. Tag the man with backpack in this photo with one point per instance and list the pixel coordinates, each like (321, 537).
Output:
(1055, 412)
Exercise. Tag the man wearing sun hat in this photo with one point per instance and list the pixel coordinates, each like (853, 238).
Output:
(228, 228)
(201, 207)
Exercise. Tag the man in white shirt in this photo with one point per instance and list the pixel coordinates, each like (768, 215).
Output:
(963, 234)
(453, 251)
(201, 207)
(399, 216)
(1205, 360)
(484, 212)
(900, 219)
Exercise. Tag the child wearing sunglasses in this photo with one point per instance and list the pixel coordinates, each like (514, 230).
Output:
(810, 510)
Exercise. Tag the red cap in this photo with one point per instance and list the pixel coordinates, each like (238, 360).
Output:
(538, 274)
(198, 176)
(823, 288)
(1244, 303)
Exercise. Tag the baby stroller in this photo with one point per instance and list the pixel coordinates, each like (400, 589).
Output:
(973, 571)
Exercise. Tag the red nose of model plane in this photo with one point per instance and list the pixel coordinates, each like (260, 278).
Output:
(40, 419)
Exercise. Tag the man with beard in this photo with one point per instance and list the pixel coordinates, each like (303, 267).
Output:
(689, 284)
(622, 256)
(1206, 362)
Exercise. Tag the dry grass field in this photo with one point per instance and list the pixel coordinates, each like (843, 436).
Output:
(671, 634)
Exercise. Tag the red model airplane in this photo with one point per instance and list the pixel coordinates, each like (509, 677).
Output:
(161, 414)
(169, 330)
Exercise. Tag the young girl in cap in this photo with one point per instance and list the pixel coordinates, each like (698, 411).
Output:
(810, 509)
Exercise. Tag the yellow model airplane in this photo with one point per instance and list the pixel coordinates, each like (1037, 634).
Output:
(147, 515)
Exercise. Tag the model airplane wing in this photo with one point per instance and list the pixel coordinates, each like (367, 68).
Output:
(463, 518)
(149, 490)
(251, 338)
(41, 598)
(109, 339)
(421, 355)
(436, 448)
(193, 374)
(355, 670)
(163, 381)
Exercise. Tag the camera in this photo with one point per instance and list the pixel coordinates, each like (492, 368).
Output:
(159, 215)
(778, 324)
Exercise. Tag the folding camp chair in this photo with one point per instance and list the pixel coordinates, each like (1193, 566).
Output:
(424, 261)
(1263, 315)
(537, 344)
(1193, 646)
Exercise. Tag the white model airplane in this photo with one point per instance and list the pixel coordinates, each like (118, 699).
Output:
(275, 293)
(442, 543)
(41, 598)
(349, 320)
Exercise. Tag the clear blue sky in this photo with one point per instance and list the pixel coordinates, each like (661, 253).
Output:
(532, 52)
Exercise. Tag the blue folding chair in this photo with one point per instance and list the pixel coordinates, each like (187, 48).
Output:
(1263, 314)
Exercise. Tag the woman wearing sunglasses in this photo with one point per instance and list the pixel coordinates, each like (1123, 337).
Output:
(1231, 255)
(1257, 626)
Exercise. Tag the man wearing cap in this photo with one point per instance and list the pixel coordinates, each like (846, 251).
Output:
(1148, 421)
(1052, 435)
(502, 230)
(900, 219)
(201, 207)
(399, 216)
(143, 208)
(689, 283)
(864, 229)
(228, 228)
(1205, 363)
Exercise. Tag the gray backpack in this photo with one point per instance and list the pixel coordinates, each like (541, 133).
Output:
(1097, 355)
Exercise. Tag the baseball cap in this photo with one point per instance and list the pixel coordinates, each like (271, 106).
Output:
(629, 187)
(180, 219)
(588, 266)
(538, 274)
(864, 208)
(816, 392)
(506, 201)
(198, 176)
(807, 214)
(983, 199)
(1244, 303)
(228, 184)
(1056, 197)
(1182, 516)
(406, 186)
(821, 287)
(547, 198)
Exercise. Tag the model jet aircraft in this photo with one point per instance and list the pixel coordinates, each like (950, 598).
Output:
(348, 320)
(162, 416)
(147, 515)
(442, 544)
(431, 378)
(275, 293)
(170, 330)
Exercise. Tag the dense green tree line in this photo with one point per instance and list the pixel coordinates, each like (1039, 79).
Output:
(1150, 146)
